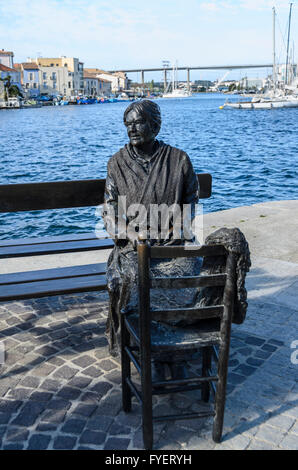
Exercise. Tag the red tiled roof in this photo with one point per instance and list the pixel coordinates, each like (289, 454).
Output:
(3, 52)
(3, 68)
(30, 66)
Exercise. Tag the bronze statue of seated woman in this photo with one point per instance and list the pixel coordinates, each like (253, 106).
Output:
(141, 177)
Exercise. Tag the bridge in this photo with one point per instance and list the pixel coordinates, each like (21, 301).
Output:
(165, 70)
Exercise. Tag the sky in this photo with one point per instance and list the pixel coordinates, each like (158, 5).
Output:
(123, 34)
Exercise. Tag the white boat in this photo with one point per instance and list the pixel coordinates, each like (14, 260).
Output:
(10, 103)
(285, 102)
(276, 97)
(176, 92)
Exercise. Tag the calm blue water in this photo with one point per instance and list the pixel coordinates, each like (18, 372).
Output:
(252, 155)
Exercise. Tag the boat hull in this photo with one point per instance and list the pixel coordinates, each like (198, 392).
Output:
(262, 105)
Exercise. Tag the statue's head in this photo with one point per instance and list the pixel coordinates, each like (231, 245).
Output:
(142, 120)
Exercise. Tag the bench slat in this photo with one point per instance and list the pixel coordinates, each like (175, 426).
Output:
(59, 238)
(66, 194)
(54, 273)
(47, 288)
(55, 248)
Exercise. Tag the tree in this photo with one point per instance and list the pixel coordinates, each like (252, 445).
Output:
(13, 90)
(9, 89)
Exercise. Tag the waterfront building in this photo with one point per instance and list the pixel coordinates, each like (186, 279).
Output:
(96, 86)
(252, 83)
(118, 80)
(55, 81)
(73, 68)
(30, 79)
(6, 58)
(15, 76)
(7, 68)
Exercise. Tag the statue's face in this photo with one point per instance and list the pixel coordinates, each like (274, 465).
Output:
(138, 129)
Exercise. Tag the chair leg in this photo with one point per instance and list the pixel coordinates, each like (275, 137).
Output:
(220, 396)
(125, 368)
(147, 414)
(206, 365)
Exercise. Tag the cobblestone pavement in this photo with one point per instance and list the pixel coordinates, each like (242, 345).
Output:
(60, 389)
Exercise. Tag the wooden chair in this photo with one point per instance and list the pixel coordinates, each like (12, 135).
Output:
(141, 338)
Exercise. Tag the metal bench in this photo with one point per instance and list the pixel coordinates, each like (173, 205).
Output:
(67, 280)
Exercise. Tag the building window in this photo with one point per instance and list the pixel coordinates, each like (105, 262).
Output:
(45, 84)
(44, 75)
(30, 76)
(34, 85)
(54, 85)
(69, 84)
(54, 75)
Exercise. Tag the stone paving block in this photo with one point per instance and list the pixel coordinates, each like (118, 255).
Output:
(294, 429)
(51, 385)
(116, 443)
(41, 396)
(255, 444)
(80, 382)
(46, 427)
(38, 442)
(73, 426)
(16, 446)
(281, 421)
(29, 413)
(84, 361)
(20, 393)
(9, 406)
(30, 381)
(65, 372)
(4, 418)
(100, 423)
(290, 442)
(64, 442)
(269, 434)
(92, 437)
(16, 434)
(90, 397)
(69, 393)
(54, 416)
(46, 351)
(6, 384)
(85, 409)
(107, 365)
(102, 388)
(44, 370)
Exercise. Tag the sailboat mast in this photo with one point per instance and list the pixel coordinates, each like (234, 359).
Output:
(287, 62)
(274, 55)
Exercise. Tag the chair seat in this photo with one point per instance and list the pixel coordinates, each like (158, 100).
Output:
(164, 337)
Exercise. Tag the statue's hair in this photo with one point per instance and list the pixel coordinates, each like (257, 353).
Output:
(150, 110)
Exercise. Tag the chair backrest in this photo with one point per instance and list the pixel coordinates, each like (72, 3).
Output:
(225, 280)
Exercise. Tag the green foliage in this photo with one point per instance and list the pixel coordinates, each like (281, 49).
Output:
(13, 90)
